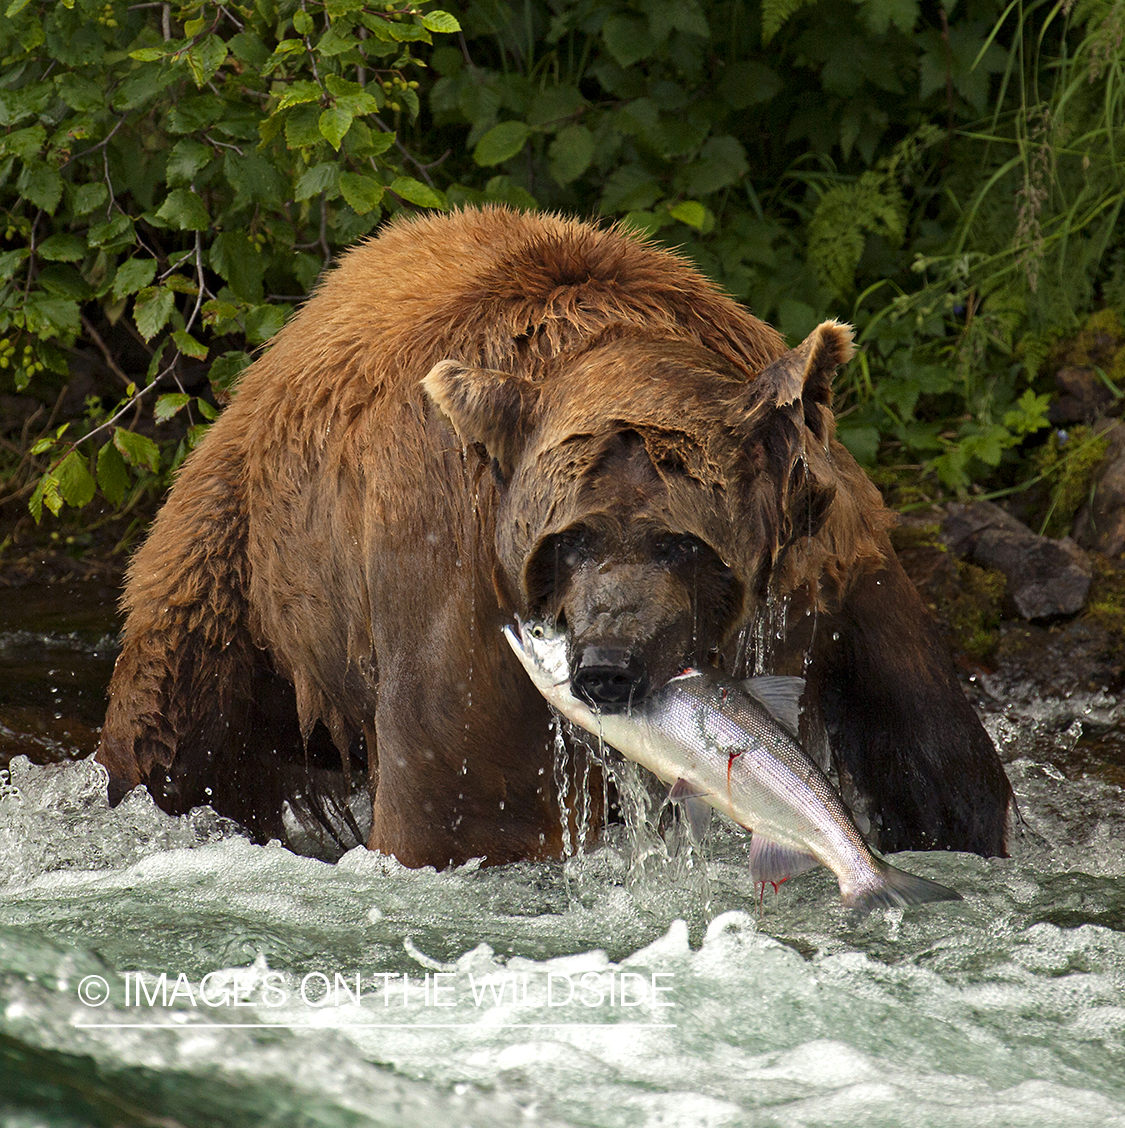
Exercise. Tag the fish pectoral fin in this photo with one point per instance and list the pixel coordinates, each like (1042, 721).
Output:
(684, 789)
(770, 861)
(696, 809)
(780, 695)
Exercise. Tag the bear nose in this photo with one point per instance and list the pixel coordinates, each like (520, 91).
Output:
(607, 675)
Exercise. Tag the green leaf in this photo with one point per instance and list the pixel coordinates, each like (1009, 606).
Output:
(80, 93)
(41, 185)
(188, 345)
(76, 484)
(87, 197)
(186, 159)
(137, 450)
(262, 322)
(52, 317)
(440, 22)
(337, 40)
(721, 163)
(570, 153)
(398, 32)
(146, 83)
(112, 476)
(556, 103)
(628, 39)
(185, 211)
(152, 309)
(148, 54)
(300, 92)
(10, 261)
(24, 143)
(112, 235)
(323, 177)
(63, 247)
(248, 48)
(226, 369)
(256, 180)
(1029, 415)
(168, 404)
(362, 192)
(196, 114)
(239, 262)
(334, 123)
(415, 192)
(205, 58)
(46, 493)
(862, 442)
(691, 212)
(881, 14)
(629, 188)
(363, 142)
(501, 143)
(302, 128)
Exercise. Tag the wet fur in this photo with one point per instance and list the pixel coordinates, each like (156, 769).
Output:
(327, 581)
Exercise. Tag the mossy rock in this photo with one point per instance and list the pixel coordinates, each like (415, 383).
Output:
(1101, 344)
(1072, 464)
(967, 600)
(974, 614)
(1106, 603)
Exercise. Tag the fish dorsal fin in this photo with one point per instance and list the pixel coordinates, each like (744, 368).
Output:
(770, 861)
(780, 695)
(695, 806)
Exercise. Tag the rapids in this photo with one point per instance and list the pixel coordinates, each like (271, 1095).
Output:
(166, 971)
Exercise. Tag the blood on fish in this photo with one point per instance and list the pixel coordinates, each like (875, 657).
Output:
(776, 887)
(732, 755)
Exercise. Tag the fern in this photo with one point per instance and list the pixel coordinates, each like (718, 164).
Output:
(846, 215)
(776, 13)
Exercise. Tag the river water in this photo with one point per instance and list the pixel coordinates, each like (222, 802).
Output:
(165, 971)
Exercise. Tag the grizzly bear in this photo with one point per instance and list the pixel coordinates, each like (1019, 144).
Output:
(483, 414)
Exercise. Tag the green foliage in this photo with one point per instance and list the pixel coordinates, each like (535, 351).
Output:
(1071, 461)
(172, 178)
(949, 178)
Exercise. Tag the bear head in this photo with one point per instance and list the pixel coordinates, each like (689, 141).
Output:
(648, 489)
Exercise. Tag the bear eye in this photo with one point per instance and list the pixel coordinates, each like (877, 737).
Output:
(678, 548)
(572, 548)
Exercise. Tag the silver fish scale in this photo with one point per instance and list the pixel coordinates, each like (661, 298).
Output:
(771, 778)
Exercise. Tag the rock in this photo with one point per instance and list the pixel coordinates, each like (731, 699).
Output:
(1058, 660)
(964, 525)
(1046, 577)
(1083, 396)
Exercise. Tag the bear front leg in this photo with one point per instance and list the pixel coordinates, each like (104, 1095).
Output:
(900, 728)
(465, 769)
(195, 712)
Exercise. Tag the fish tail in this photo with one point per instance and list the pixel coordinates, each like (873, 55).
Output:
(895, 888)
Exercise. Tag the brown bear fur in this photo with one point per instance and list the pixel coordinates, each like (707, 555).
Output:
(488, 413)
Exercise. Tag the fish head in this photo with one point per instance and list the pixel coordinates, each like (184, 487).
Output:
(541, 648)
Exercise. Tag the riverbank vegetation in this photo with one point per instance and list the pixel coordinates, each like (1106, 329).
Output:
(947, 177)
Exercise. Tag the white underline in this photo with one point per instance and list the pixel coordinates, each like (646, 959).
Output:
(375, 1026)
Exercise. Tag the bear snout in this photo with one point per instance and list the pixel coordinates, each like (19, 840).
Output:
(609, 676)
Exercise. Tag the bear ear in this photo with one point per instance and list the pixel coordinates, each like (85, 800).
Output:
(805, 373)
(495, 409)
